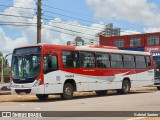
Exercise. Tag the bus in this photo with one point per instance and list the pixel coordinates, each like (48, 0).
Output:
(157, 74)
(46, 69)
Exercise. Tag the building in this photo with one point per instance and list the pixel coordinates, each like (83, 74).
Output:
(132, 42)
(77, 42)
(110, 31)
(94, 42)
(80, 42)
(137, 42)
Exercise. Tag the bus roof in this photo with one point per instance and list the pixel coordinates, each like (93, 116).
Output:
(86, 48)
(89, 48)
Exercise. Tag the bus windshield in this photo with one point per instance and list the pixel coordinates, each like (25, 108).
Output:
(26, 63)
(157, 69)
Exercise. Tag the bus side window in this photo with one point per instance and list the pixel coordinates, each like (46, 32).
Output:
(50, 63)
(70, 59)
(87, 60)
(116, 61)
(140, 62)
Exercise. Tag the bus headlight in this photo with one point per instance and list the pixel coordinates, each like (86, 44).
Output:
(36, 83)
(11, 84)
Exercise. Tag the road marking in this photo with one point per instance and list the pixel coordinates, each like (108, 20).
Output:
(22, 104)
(37, 108)
(137, 118)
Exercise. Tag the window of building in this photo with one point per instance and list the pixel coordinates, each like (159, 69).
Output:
(153, 40)
(87, 60)
(70, 59)
(140, 61)
(128, 61)
(102, 60)
(116, 61)
(119, 43)
(135, 42)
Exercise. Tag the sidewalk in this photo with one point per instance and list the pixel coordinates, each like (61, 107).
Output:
(4, 84)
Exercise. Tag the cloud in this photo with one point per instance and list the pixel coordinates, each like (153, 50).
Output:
(134, 11)
(55, 31)
(129, 32)
(67, 31)
(7, 44)
(151, 29)
(20, 8)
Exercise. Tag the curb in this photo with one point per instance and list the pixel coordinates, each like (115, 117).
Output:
(5, 92)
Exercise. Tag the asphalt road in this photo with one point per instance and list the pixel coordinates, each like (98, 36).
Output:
(135, 101)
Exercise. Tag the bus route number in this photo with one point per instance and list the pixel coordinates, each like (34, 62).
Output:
(69, 76)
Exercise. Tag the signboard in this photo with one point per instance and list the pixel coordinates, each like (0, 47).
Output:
(152, 49)
(155, 53)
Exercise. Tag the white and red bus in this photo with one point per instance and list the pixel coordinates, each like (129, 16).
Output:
(46, 69)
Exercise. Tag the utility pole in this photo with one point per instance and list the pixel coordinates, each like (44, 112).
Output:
(2, 77)
(39, 4)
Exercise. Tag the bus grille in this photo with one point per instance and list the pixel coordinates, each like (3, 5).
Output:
(20, 91)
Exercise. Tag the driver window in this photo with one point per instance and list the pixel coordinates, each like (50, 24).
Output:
(50, 63)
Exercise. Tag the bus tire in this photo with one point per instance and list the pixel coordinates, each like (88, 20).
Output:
(158, 87)
(67, 91)
(101, 92)
(125, 87)
(42, 96)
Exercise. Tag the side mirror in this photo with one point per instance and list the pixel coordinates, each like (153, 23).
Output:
(6, 62)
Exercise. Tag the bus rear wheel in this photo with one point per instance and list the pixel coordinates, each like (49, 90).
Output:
(125, 87)
(42, 96)
(67, 91)
(158, 88)
(101, 92)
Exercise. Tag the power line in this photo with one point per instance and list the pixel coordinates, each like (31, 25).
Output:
(64, 10)
(21, 25)
(16, 7)
(71, 4)
(69, 16)
(21, 12)
(65, 33)
(23, 2)
(17, 22)
(71, 24)
(72, 30)
(16, 16)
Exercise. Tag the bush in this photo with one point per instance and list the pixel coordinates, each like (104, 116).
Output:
(6, 79)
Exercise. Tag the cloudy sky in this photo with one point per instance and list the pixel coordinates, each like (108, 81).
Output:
(63, 20)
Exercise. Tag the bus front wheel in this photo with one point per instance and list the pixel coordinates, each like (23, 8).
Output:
(42, 96)
(158, 88)
(67, 91)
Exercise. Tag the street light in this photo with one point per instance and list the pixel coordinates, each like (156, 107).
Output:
(2, 77)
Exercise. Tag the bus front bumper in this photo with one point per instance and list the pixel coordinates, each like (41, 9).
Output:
(27, 88)
(157, 82)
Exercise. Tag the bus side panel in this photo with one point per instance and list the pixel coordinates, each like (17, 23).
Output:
(106, 79)
(145, 77)
(125, 74)
(53, 82)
